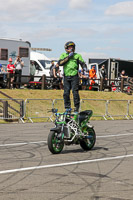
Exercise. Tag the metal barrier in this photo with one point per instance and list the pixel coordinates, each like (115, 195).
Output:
(32, 110)
(111, 110)
(39, 108)
(130, 108)
(12, 109)
(101, 108)
(59, 104)
(97, 105)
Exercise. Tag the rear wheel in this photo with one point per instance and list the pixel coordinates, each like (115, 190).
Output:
(89, 142)
(55, 145)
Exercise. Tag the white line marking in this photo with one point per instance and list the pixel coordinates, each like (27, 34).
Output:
(65, 164)
(23, 143)
(117, 135)
(39, 142)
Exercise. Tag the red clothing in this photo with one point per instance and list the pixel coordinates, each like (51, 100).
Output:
(10, 68)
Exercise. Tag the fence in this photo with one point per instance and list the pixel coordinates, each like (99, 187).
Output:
(38, 108)
(106, 109)
(47, 83)
(97, 105)
(11, 109)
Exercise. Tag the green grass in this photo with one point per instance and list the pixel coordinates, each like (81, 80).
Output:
(58, 94)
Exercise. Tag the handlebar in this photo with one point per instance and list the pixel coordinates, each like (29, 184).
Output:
(55, 111)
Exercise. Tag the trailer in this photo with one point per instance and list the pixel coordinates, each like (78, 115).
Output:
(113, 66)
(11, 48)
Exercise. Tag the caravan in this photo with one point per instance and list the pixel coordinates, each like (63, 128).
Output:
(11, 48)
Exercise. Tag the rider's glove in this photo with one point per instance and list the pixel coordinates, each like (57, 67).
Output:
(70, 54)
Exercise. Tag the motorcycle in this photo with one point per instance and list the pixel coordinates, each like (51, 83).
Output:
(71, 128)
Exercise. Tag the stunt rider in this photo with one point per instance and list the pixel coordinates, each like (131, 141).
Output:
(70, 62)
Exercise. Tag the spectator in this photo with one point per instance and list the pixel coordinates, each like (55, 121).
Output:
(57, 76)
(18, 71)
(2, 71)
(92, 76)
(123, 75)
(51, 69)
(11, 70)
(32, 70)
(84, 76)
(102, 73)
(70, 62)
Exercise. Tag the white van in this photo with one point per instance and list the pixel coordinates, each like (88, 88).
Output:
(42, 64)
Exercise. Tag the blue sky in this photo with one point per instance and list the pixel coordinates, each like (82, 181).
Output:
(99, 28)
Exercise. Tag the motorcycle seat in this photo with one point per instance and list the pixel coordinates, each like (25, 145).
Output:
(84, 115)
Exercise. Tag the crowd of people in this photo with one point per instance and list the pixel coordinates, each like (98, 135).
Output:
(61, 79)
(15, 69)
(86, 76)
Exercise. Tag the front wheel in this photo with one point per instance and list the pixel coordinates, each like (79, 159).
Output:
(55, 145)
(88, 142)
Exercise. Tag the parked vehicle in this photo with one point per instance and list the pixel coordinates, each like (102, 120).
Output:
(113, 66)
(42, 64)
(71, 128)
(11, 48)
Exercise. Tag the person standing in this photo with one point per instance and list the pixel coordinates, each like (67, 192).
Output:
(2, 71)
(103, 75)
(11, 70)
(102, 72)
(32, 70)
(84, 77)
(51, 69)
(92, 76)
(18, 70)
(57, 76)
(70, 62)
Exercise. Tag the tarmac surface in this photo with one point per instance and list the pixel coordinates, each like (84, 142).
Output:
(29, 171)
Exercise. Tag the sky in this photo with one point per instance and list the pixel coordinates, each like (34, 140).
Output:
(99, 28)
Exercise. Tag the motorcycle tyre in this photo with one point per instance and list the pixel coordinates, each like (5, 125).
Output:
(87, 144)
(53, 146)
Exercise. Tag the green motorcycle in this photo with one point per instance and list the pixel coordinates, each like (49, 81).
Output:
(71, 128)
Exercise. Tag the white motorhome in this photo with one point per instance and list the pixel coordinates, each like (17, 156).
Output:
(10, 48)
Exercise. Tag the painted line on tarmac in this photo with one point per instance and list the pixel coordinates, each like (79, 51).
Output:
(39, 142)
(117, 135)
(65, 164)
(23, 143)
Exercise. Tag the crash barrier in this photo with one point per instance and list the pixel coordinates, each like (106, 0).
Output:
(117, 108)
(106, 109)
(97, 105)
(59, 104)
(130, 108)
(38, 108)
(12, 109)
